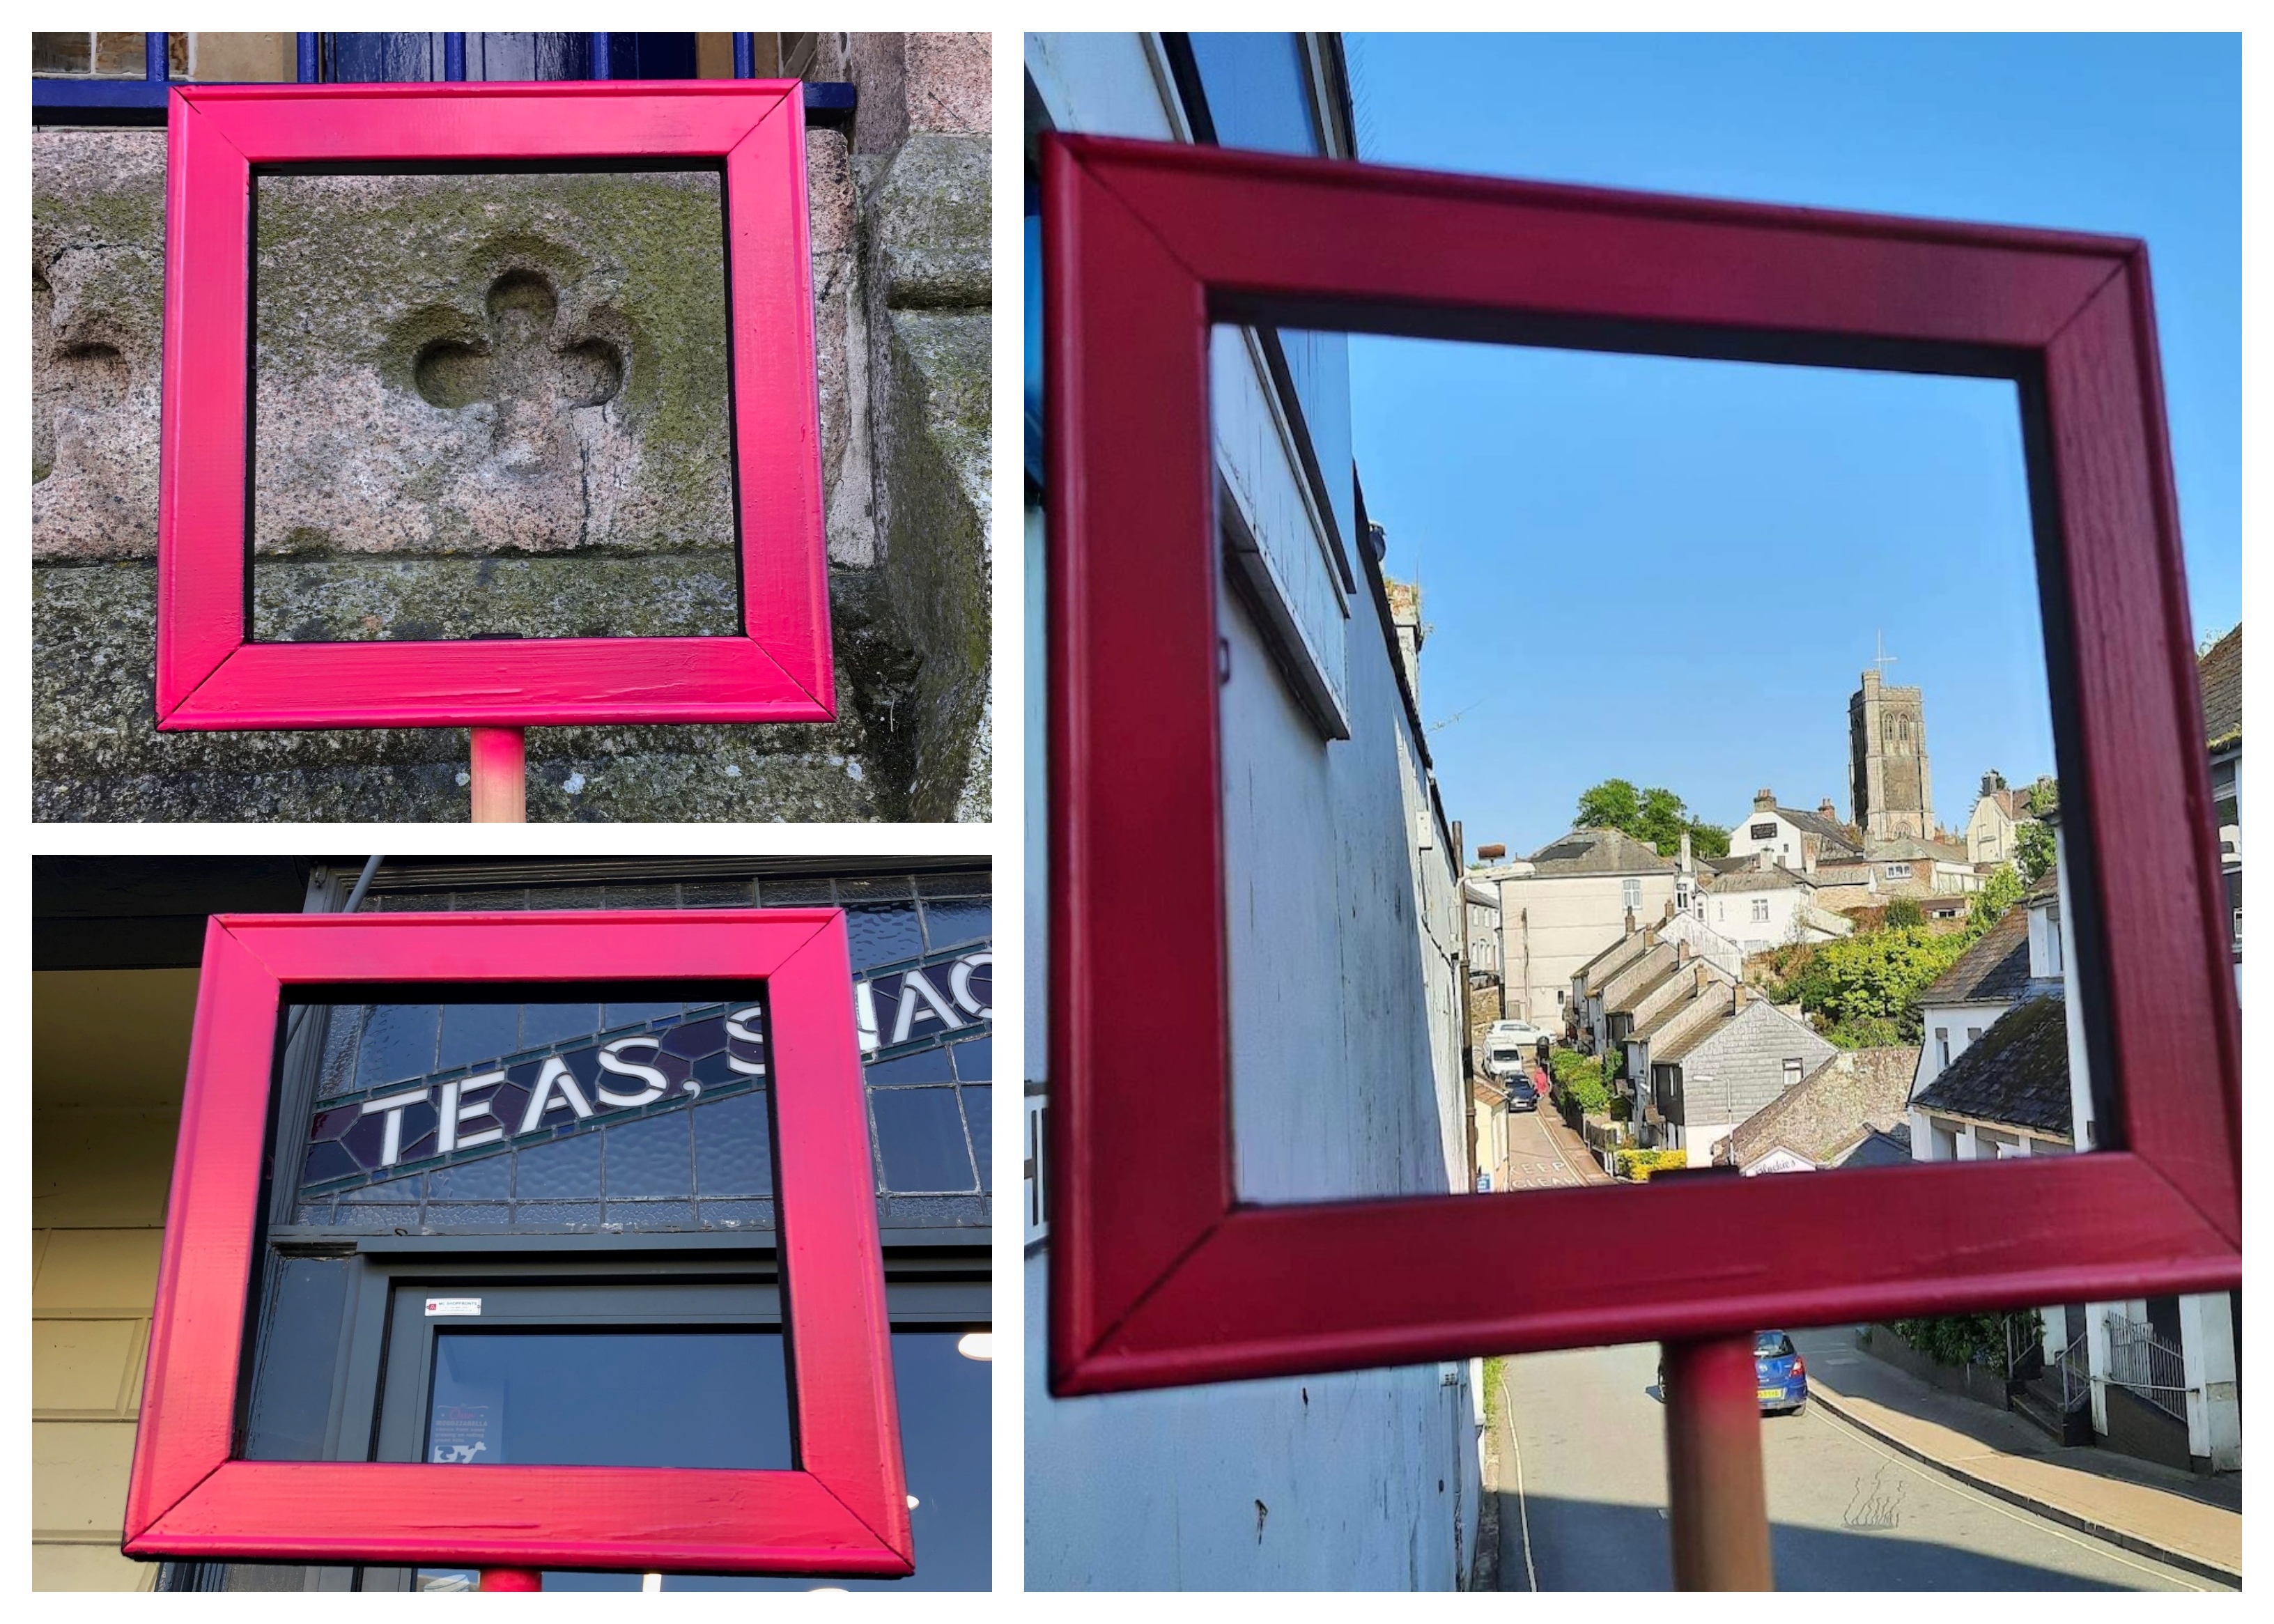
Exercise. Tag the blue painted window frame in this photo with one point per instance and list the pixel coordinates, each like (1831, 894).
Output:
(144, 99)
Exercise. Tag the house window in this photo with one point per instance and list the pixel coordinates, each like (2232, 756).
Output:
(1973, 1035)
(1760, 910)
(1791, 1070)
(1631, 893)
(1763, 831)
(1941, 1047)
(2053, 941)
(1898, 871)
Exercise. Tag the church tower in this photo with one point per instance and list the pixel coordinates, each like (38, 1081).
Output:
(1889, 787)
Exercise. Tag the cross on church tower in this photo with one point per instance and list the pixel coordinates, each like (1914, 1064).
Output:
(1883, 659)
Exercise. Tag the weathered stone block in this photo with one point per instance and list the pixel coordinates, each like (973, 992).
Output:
(931, 221)
(491, 364)
(97, 755)
(538, 312)
(98, 292)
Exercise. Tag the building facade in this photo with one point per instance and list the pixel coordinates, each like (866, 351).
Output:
(1344, 891)
(1577, 899)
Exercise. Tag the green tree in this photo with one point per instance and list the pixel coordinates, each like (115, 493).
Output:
(1874, 977)
(2033, 849)
(2044, 795)
(1902, 914)
(1615, 803)
(2000, 892)
(1657, 815)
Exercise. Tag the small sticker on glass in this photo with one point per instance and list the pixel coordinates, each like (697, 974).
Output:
(442, 1307)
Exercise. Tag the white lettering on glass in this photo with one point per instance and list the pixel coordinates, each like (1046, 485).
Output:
(738, 1029)
(612, 1061)
(391, 1150)
(457, 1111)
(864, 1016)
(555, 1076)
(914, 987)
(959, 981)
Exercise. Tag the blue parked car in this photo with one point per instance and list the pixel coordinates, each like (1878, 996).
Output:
(1780, 1374)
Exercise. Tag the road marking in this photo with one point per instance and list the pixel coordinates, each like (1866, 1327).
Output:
(1523, 1506)
(1826, 1417)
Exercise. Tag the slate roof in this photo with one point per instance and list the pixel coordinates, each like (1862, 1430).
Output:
(1994, 969)
(2015, 1074)
(1816, 824)
(1725, 865)
(1823, 1114)
(1878, 1148)
(1658, 1021)
(1599, 851)
(1619, 987)
(2046, 887)
(1771, 878)
(1902, 848)
(2219, 675)
(1614, 959)
(2015, 803)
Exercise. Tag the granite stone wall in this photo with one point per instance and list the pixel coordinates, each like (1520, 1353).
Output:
(497, 405)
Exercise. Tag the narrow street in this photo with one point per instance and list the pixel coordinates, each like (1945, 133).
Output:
(1542, 1155)
(1582, 1495)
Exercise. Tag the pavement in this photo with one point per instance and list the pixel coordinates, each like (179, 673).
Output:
(1579, 1479)
(2189, 1522)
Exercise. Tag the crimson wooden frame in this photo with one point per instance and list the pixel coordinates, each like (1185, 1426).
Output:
(210, 675)
(844, 1510)
(1160, 1274)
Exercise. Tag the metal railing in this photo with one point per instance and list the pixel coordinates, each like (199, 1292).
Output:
(2140, 1360)
(2074, 1371)
(2025, 1344)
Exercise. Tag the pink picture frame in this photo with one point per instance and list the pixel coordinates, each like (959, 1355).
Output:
(210, 672)
(1161, 1275)
(843, 1511)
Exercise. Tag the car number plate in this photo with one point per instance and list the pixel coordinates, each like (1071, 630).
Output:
(1772, 1392)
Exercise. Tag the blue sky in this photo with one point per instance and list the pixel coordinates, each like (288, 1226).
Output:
(1674, 571)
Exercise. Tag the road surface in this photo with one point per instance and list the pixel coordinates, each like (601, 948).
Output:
(1584, 1435)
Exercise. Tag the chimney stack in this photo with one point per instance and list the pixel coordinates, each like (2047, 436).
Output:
(1824, 808)
(1740, 995)
(1682, 952)
(1703, 981)
(1764, 800)
(1763, 860)
(1631, 925)
(1687, 863)
(1668, 917)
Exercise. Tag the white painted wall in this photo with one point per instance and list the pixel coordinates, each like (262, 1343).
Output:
(1550, 925)
(1734, 915)
(1346, 1079)
(1963, 1023)
(1783, 845)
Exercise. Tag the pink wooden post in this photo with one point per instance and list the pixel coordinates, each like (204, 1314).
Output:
(1717, 1498)
(500, 775)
